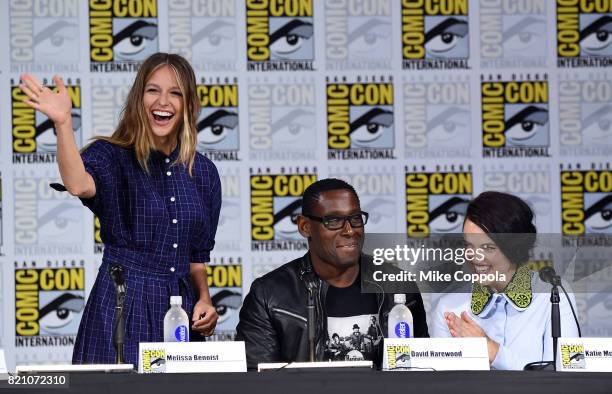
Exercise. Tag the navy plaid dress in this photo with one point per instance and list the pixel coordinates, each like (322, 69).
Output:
(154, 225)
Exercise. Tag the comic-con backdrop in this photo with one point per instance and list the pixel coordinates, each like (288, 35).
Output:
(420, 104)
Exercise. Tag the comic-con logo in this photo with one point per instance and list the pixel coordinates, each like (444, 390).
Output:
(153, 360)
(358, 34)
(276, 203)
(376, 190)
(204, 32)
(435, 34)
(225, 284)
(584, 33)
(34, 138)
(45, 221)
(98, 244)
(107, 100)
(122, 34)
(279, 35)
(573, 356)
(360, 119)
(436, 201)
(515, 118)
(217, 124)
(398, 356)
(437, 118)
(229, 227)
(282, 121)
(49, 301)
(586, 200)
(513, 33)
(44, 36)
(585, 116)
(531, 183)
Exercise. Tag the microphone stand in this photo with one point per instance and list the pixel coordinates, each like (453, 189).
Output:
(119, 330)
(116, 273)
(311, 324)
(555, 321)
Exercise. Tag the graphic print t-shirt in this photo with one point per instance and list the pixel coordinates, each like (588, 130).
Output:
(352, 324)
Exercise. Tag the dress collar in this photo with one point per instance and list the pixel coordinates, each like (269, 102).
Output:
(518, 292)
(159, 155)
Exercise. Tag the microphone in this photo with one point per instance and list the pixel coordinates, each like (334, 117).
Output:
(548, 275)
(116, 273)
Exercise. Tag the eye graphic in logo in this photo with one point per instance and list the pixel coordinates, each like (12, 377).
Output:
(135, 41)
(448, 216)
(382, 213)
(370, 39)
(540, 205)
(215, 128)
(598, 217)
(226, 303)
(292, 40)
(55, 40)
(525, 37)
(215, 38)
(229, 218)
(56, 316)
(597, 126)
(46, 137)
(368, 129)
(448, 38)
(599, 306)
(294, 129)
(528, 126)
(285, 218)
(158, 364)
(450, 126)
(59, 222)
(596, 37)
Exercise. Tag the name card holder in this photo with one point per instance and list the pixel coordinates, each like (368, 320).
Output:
(185, 357)
(584, 355)
(316, 365)
(436, 354)
(3, 370)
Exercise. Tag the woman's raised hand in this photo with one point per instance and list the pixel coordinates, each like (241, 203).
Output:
(56, 105)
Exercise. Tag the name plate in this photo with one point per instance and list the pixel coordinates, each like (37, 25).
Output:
(439, 354)
(584, 355)
(183, 357)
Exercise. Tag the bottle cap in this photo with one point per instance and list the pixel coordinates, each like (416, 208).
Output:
(399, 298)
(176, 300)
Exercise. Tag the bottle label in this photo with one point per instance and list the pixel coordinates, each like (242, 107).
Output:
(402, 330)
(181, 334)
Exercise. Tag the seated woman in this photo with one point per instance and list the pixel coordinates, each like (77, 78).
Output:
(509, 313)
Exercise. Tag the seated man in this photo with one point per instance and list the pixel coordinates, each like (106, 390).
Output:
(273, 318)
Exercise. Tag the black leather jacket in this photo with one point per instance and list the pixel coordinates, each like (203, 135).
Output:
(273, 318)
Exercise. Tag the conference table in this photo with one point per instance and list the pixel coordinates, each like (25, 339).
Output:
(333, 381)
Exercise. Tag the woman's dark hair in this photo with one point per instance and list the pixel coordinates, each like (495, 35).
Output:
(507, 220)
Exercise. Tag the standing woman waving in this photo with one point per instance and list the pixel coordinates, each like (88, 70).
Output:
(158, 201)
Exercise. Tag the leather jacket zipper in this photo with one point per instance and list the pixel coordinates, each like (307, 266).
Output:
(287, 313)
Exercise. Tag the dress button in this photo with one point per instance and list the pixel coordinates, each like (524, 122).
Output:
(167, 160)
(172, 199)
(174, 221)
(168, 173)
(175, 246)
(172, 269)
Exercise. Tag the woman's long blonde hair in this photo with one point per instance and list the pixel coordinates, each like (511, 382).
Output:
(134, 130)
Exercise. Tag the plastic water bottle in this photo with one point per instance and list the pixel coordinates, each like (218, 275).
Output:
(176, 322)
(400, 319)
